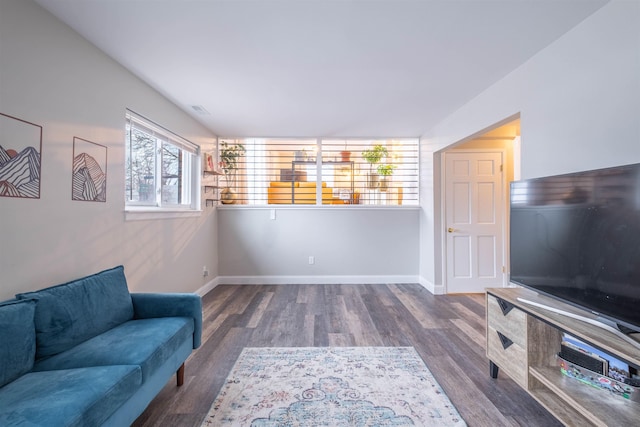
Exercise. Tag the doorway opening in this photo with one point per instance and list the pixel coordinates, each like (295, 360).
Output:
(472, 219)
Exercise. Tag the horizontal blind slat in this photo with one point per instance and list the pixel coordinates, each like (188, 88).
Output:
(286, 171)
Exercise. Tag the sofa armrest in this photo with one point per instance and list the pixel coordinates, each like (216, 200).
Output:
(150, 305)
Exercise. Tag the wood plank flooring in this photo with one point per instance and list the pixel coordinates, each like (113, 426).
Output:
(448, 331)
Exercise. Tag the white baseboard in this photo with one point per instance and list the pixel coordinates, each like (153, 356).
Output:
(208, 287)
(436, 290)
(318, 280)
(313, 280)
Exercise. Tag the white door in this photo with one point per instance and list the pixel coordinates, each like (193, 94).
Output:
(474, 214)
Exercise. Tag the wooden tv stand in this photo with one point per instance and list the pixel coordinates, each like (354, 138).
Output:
(523, 341)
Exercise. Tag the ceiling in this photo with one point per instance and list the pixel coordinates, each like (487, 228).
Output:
(296, 68)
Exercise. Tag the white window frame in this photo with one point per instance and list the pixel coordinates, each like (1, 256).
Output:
(190, 171)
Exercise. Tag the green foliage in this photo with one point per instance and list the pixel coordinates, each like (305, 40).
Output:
(386, 170)
(375, 154)
(229, 156)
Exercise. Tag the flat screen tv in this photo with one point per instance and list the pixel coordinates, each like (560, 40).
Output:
(576, 238)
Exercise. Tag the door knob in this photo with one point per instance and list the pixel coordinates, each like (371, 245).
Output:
(451, 230)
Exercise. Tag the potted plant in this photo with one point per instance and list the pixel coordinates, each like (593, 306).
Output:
(345, 155)
(385, 171)
(373, 156)
(229, 157)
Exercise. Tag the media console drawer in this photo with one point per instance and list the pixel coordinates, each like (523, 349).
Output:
(508, 356)
(507, 319)
(506, 339)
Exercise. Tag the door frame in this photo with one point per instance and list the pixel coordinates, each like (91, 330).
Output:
(443, 204)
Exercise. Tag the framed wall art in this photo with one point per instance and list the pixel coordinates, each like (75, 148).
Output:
(89, 180)
(209, 164)
(20, 157)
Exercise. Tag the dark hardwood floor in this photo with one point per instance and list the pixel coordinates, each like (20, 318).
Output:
(447, 331)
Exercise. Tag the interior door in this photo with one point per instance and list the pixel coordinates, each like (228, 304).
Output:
(474, 215)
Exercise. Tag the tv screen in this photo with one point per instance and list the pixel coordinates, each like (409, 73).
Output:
(576, 237)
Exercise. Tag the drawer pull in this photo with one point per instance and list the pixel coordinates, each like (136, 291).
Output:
(506, 342)
(505, 306)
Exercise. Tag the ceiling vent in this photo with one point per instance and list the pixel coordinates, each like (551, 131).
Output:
(199, 109)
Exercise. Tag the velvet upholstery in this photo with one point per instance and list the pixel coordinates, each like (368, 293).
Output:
(145, 342)
(76, 397)
(71, 313)
(101, 362)
(137, 403)
(170, 305)
(17, 339)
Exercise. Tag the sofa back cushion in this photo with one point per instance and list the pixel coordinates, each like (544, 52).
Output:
(17, 338)
(71, 313)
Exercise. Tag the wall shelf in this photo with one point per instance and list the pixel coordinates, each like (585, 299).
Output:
(210, 186)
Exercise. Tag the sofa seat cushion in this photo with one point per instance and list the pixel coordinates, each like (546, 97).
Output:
(71, 313)
(147, 343)
(74, 397)
(17, 339)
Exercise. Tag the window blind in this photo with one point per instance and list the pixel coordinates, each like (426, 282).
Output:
(280, 171)
(151, 128)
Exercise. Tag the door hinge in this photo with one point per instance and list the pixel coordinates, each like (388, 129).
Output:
(501, 166)
(504, 269)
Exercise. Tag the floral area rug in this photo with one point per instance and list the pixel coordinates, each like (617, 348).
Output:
(331, 386)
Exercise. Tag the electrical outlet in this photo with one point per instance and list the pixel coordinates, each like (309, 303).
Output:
(205, 272)
(312, 260)
(272, 214)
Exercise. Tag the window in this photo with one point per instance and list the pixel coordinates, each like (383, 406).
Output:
(161, 167)
(325, 171)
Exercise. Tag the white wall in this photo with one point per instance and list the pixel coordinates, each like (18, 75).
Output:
(52, 77)
(349, 244)
(579, 104)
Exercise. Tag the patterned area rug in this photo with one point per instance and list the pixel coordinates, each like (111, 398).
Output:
(336, 386)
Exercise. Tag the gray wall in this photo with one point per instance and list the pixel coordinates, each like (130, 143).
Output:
(579, 104)
(51, 76)
(350, 245)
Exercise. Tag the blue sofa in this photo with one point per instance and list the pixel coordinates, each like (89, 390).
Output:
(89, 353)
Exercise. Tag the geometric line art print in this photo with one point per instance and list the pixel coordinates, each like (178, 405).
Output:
(89, 178)
(20, 157)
